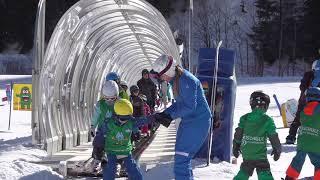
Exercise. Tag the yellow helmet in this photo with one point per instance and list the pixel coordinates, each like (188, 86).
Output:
(123, 107)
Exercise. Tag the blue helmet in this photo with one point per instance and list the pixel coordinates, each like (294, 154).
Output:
(313, 94)
(113, 76)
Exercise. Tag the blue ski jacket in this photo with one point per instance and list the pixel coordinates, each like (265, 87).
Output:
(190, 105)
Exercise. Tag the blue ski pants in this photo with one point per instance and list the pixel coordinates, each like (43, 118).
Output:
(109, 170)
(295, 167)
(190, 138)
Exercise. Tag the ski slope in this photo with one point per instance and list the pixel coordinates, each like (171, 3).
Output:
(16, 149)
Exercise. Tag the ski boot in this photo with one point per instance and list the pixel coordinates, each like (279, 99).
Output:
(118, 170)
(99, 167)
(290, 139)
(96, 165)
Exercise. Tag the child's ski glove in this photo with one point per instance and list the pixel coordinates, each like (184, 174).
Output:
(276, 146)
(238, 134)
(236, 149)
(276, 154)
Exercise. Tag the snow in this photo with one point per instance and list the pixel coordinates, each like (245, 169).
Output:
(16, 150)
(17, 153)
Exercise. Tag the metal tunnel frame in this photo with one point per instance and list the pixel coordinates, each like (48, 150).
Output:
(91, 39)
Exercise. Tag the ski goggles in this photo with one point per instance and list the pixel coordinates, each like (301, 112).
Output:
(108, 98)
(124, 118)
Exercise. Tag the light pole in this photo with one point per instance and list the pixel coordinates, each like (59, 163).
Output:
(280, 42)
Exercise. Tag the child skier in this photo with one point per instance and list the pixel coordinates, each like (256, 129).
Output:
(123, 93)
(103, 109)
(309, 136)
(251, 137)
(138, 110)
(136, 101)
(115, 135)
(112, 76)
(147, 111)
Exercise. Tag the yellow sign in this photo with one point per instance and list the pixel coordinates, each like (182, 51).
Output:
(22, 99)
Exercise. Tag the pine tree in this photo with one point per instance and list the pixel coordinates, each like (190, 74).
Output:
(311, 29)
(289, 23)
(264, 31)
(292, 12)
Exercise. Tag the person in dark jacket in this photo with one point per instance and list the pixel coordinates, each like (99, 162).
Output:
(148, 88)
(307, 81)
(137, 102)
(138, 110)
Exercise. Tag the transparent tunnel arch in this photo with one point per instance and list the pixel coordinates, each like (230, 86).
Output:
(92, 38)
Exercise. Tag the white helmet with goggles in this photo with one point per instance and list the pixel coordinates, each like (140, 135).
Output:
(110, 89)
(165, 64)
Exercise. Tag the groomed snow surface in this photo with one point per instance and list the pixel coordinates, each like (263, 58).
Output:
(16, 150)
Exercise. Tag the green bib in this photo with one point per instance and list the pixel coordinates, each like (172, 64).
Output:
(257, 126)
(118, 139)
(309, 131)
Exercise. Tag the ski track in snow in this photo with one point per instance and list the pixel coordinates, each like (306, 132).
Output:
(16, 149)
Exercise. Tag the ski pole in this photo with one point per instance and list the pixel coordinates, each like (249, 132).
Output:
(278, 104)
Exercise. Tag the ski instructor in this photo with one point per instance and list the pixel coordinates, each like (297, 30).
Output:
(191, 106)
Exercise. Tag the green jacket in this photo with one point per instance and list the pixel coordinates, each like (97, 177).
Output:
(257, 126)
(309, 131)
(124, 95)
(101, 112)
(118, 138)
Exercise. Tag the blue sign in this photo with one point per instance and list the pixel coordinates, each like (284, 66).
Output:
(225, 99)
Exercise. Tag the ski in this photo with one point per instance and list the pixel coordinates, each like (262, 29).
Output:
(213, 99)
(305, 178)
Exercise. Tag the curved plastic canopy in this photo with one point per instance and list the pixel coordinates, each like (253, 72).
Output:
(92, 38)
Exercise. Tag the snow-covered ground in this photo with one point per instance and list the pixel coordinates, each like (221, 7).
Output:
(16, 149)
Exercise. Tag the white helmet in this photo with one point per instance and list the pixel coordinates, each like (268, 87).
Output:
(110, 89)
(165, 64)
(316, 65)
